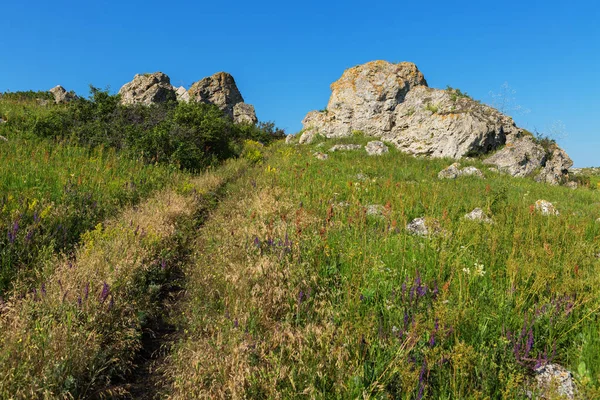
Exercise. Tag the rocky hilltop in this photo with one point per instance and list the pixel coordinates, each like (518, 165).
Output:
(219, 89)
(393, 102)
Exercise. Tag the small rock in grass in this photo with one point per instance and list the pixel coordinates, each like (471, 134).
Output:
(289, 139)
(321, 156)
(546, 208)
(376, 148)
(494, 170)
(423, 227)
(478, 215)
(471, 171)
(554, 380)
(450, 172)
(362, 177)
(342, 147)
(571, 185)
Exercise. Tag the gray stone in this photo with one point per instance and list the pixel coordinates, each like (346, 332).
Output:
(219, 89)
(519, 158)
(471, 171)
(148, 89)
(546, 208)
(244, 114)
(344, 147)
(423, 227)
(308, 136)
(376, 148)
(61, 96)
(572, 185)
(450, 172)
(321, 156)
(289, 139)
(554, 381)
(479, 216)
(556, 167)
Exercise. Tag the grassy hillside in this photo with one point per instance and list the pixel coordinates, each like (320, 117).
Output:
(300, 289)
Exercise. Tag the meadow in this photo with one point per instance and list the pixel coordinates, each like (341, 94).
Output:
(298, 290)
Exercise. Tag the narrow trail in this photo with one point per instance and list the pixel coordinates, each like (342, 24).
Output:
(146, 381)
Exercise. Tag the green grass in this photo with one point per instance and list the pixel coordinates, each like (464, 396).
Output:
(297, 293)
(51, 193)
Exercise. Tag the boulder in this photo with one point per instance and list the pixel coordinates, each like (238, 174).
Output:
(572, 185)
(375, 210)
(219, 89)
(321, 156)
(450, 172)
(308, 137)
(148, 89)
(61, 96)
(518, 158)
(423, 227)
(479, 216)
(556, 167)
(554, 381)
(344, 147)
(376, 148)
(289, 139)
(244, 114)
(546, 208)
(472, 171)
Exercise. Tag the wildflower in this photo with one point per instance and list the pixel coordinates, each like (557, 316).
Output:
(466, 270)
(479, 269)
(104, 293)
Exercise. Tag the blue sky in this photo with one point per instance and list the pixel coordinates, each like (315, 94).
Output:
(284, 55)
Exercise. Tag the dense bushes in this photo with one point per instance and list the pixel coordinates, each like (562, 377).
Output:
(189, 135)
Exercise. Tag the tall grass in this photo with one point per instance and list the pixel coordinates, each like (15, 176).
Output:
(51, 193)
(297, 292)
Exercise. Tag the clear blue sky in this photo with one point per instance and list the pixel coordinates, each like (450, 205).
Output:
(284, 55)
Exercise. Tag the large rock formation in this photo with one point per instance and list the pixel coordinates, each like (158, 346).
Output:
(148, 89)
(61, 95)
(221, 90)
(394, 103)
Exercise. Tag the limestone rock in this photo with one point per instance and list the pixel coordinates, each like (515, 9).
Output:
(308, 137)
(450, 172)
(321, 156)
(471, 171)
(244, 114)
(375, 210)
(392, 101)
(182, 94)
(556, 167)
(554, 381)
(546, 208)
(61, 96)
(572, 185)
(289, 139)
(148, 89)
(376, 148)
(453, 171)
(219, 89)
(519, 158)
(344, 147)
(423, 227)
(479, 216)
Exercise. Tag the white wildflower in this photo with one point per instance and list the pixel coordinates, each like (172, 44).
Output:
(467, 270)
(479, 269)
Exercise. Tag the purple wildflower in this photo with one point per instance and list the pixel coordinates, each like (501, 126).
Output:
(235, 323)
(79, 301)
(300, 297)
(29, 235)
(405, 319)
(43, 288)
(163, 264)
(529, 344)
(432, 339)
(256, 241)
(104, 293)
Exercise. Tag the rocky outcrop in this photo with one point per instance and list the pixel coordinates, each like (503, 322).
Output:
(479, 216)
(545, 207)
(61, 96)
(182, 94)
(148, 89)
(453, 171)
(556, 167)
(344, 147)
(555, 382)
(244, 114)
(394, 103)
(219, 89)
